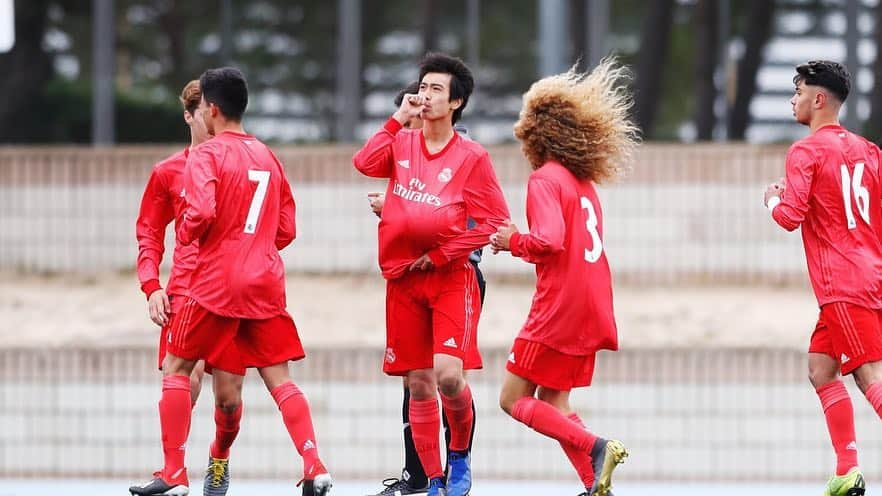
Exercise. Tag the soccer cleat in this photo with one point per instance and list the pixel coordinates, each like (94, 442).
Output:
(159, 487)
(436, 487)
(605, 456)
(459, 482)
(317, 482)
(400, 487)
(217, 477)
(850, 484)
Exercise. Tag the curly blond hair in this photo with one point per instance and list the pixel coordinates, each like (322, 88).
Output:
(580, 120)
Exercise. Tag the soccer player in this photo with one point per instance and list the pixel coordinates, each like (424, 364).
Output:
(241, 210)
(575, 132)
(161, 204)
(437, 181)
(832, 190)
(413, 478)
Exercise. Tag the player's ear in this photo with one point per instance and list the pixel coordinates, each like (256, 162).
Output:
(455, 104)
(820, 99)
(188, 117)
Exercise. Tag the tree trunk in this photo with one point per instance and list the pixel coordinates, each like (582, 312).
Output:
(873, 127)
(173, 23)
(430, 25)
(651, 61)
(707, 30)
(26, 68)
(759, 29)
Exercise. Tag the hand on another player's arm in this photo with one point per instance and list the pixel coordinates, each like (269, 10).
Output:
(411, 106)
(377, 200)
(501, 239)
(159, 307)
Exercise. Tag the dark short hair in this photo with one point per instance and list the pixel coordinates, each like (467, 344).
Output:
(226, 88)
(831, 76)
(461, 81)
(412, 88)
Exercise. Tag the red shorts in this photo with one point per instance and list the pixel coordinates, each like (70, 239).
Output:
(849, 333)
(232, 344)
(433, 312)
(548, 367)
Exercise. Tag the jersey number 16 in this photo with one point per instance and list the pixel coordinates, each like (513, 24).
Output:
(861, 195)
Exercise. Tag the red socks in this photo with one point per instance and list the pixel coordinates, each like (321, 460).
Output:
(874, 395)
(174, 420)
(460, 417)
(840, 423)
(546, 419)
(295, 413)
(425, 423)
(226, 430)
(580, 459)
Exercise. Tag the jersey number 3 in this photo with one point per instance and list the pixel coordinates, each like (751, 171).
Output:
(861, 195)
(593, 254)
(262, 179)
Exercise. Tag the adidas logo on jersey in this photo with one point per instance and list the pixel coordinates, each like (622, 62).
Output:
(450, 343)
(404, 163)
(308, 445)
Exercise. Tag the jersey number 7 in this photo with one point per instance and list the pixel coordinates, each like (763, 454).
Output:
(262, 179)
(861, 195)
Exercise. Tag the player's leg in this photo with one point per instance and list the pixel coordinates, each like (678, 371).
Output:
(425, 422)
(838, 345)
(196, 378)
(269, 345)
(195, 333)
(456, 309)
(413, 474)
(227, 388)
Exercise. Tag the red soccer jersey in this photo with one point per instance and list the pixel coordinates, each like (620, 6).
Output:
(430, 197)
(161, 204)
(832, 190)
(240, 208)
(572, 310)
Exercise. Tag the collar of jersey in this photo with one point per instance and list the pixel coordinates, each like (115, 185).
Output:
(431, 156)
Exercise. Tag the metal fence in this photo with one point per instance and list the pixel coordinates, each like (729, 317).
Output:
(727, 415)
(686, 214)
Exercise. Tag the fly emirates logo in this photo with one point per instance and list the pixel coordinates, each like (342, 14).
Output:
(414, 191)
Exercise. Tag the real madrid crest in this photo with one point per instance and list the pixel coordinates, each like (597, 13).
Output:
(445, 175)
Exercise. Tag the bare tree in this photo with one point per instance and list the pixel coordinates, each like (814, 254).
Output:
(873, 127)
(651, 60)
(707, 30)
(759, 30)
(430, 25)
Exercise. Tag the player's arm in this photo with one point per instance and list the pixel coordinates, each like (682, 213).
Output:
(790, 208)
(546, 222)
(287, 211)
(155, 214)
(486, 204)
(374, 159)
(200, 178)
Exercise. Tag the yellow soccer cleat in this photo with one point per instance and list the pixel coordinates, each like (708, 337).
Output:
(606, 456)
(850, 484)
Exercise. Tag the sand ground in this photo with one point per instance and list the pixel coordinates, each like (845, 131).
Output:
(348, 310)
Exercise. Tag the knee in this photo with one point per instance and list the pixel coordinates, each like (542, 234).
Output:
(506, 403)
(227, 405)
(450, 382)
(820, 376)
(421, 387)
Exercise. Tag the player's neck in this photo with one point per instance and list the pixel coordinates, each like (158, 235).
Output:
(437, 132)
(824, 120)
(231, 126)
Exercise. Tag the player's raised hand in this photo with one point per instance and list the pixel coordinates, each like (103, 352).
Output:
(411, 106)
(377, 200)
(159, 307)
(774, 189)
(501, 239)
(422, 263)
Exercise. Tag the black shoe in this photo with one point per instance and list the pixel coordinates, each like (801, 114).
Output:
(394, 487)
(158, 487)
